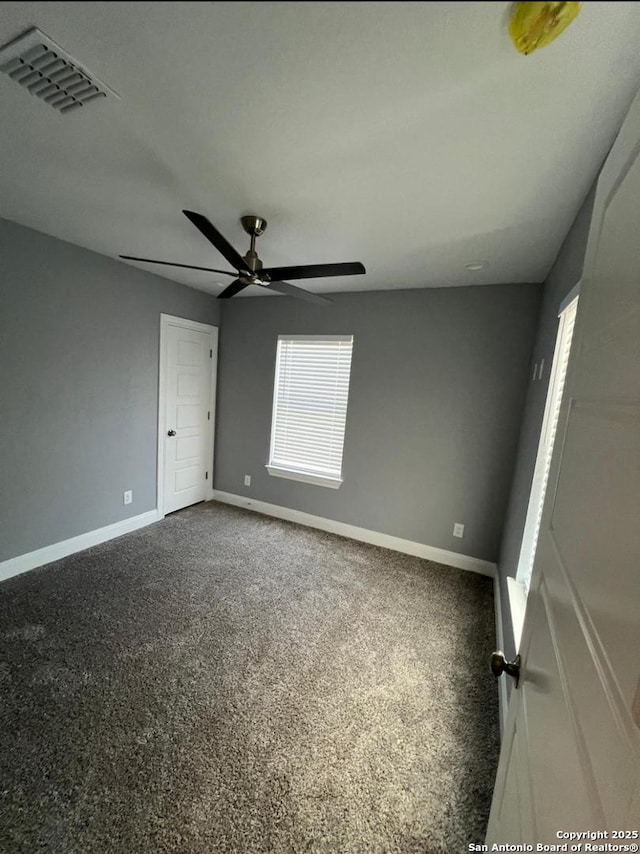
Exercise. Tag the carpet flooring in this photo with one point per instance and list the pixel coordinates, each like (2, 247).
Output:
(226, 682)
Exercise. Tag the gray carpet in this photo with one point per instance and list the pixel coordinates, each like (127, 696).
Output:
(226, 682)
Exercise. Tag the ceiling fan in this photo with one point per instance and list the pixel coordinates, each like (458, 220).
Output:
(249, 269)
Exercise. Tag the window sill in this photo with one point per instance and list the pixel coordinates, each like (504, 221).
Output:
(305, 477)
(517, 607)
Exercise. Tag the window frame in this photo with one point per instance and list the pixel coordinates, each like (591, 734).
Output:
(300, 474)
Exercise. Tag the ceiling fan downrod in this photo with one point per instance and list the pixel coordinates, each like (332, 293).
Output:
(254, 226)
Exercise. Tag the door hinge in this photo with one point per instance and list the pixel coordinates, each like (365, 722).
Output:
(211, 354)
(206, 475)
(208, 416)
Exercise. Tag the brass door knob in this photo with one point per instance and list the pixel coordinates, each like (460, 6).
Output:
(500, 665)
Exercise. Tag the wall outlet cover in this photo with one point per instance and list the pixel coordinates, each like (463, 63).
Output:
(458, 529)
(247, 480)
(128, 497)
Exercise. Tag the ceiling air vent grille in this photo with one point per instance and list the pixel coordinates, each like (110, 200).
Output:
(40, 65)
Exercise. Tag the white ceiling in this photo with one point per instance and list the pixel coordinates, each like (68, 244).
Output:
(409, 136)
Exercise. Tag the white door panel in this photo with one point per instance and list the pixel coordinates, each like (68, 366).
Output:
(187, 401)
(593, 704)
(595, 495)
(188, 447)
(548, 724)
(516, 814)
(578, 702)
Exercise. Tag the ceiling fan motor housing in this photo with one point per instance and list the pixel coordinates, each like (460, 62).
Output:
(252, 260)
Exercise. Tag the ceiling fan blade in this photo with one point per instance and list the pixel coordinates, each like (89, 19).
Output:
(172, 264)
(221, 243)
(232, 289)
(293, 291)
(314, 271)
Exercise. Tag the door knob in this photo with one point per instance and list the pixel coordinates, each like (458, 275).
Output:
(171, 433)
(500, 665)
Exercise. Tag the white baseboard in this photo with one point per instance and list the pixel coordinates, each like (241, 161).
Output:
(31, 560)
(375, 538)
(503, 698)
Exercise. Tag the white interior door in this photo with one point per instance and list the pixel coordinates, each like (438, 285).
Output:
(187, 366)
(570, 760)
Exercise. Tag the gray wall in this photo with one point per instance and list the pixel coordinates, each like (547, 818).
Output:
(438, 383)
(566, 272)
(79, 337)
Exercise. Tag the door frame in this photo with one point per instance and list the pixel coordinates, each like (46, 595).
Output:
(527, 544)
(167, 320)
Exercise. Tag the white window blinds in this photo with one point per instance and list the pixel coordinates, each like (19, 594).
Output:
(547, 439)
(310, 405)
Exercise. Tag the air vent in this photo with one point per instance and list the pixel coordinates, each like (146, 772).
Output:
(40, 65)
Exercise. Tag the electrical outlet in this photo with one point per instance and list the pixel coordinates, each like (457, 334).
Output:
(247, 480)
(458, 529)
(128, 497)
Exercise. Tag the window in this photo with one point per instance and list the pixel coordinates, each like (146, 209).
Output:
(310, 408)
(519, 587)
